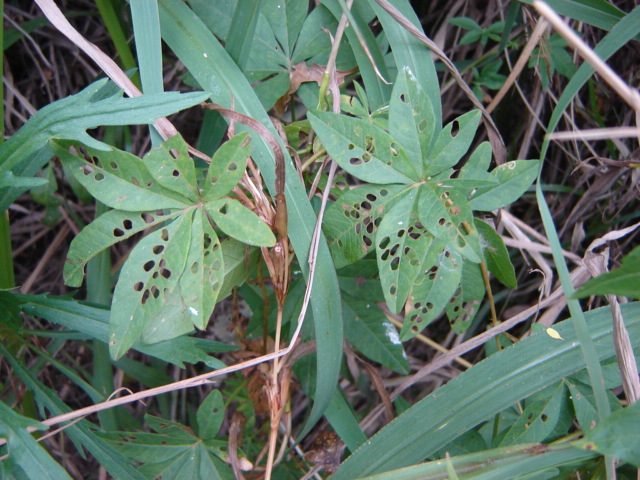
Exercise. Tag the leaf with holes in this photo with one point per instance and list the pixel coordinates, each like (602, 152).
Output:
(108, 229)
(449, 148)
(116, 178)
(171, 280)
(210, 415)
(496, 255)
(172, 451)
(148, 277)
(239, 222)
(227, 167)
(352, 221)
(364, 149)
(408, 101)
(433, 288)
(514, 178)
(445, 212)
(464, 304)
(424, 232)
(173, 168)
(540, 419)
(192, 301)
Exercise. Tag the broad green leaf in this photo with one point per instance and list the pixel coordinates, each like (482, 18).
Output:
(352, 221)
(618, 436)
(94, 322)
(464, 305)
(445, 212)
(433, 289)
(366, 327)
(173, 452)
(497, 383)
(514, 178)
(148, 277)
(495, 254)
(449, 148)
(412, 121)
(239, 222)
(98, 104)
(210, 415)
(227, 167)
(363, 149)
(23, 450)
(116, 178)
(539, 419)
(109, 228)
(623, 281)
(173, 168)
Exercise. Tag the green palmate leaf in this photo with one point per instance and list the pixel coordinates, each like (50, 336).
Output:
(352, 221)
(412, 121)
(448, 148)
(116, 178)
(464, 304)
(623, 281)
(25, 453)
(173, 452)
(210, 415)
(149, 276)
(239, 222)
(495, 254)
(540, 419)
(363, 149)
(366, 327)
(227, 167)
(618, 436)
(514, 178)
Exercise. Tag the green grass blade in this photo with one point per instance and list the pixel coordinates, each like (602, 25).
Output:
(508, 462)
(242, 31)
(118, 37)
(212, 67)
(99, 292)
(599, 13)
(483, 391)
(377, 91)
(146, 29)
(411, 52)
